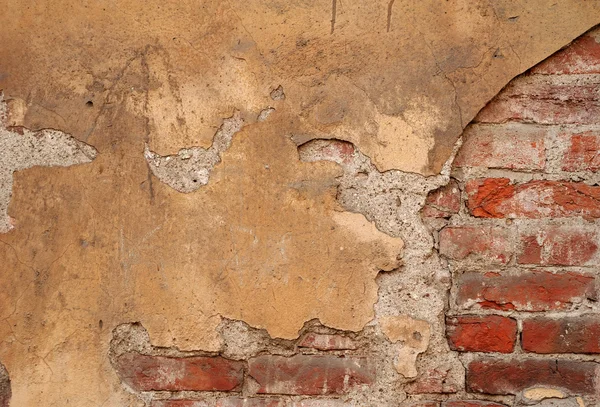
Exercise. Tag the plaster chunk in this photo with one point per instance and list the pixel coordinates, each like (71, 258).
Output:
(412, 336)
(540, 393)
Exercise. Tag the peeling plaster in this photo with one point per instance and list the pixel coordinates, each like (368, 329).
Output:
(114, 241)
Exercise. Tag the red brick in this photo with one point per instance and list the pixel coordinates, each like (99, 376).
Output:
(432, 381)
(469, 333)
(492, 376)
(341, 152)
(423, 403)
(498, 198)
(566, 335)
(326, 342)
(310, 374)
(145, 373)
(583, 153)
(580, 57)
(443, 202)
(545, 100)
(530, 291)
(519, 147)
(471, 403)
(489, 244)
(560, 246)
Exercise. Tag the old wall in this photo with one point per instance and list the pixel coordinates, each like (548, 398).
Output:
(201, 217)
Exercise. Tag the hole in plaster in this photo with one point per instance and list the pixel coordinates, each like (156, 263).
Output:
(89, 103)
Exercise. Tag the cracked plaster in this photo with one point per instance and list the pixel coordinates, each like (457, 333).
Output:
(398, 79)
(105, 243)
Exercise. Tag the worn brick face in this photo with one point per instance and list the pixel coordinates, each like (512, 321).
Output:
(493, 376)
(545, 100)
(560, 246)
(310, 374)
(530, 291)
(443, 202)
(326, 342)
(580, 57)
(583, 153)
(471, 333)
(438, 380)
(146, 373)
(508, 146)
(488, 244)
(565, 335)
(499, 198)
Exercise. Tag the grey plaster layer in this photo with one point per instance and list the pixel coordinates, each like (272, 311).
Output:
(393, 201)
(190, 169)
(21, 148)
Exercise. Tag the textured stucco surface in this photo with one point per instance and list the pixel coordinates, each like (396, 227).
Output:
(399, 79)
(99, 244)
(192, 195)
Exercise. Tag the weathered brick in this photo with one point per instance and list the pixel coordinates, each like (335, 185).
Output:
(519, 147)
(310, 374)
(566, 335)
(583, 153)
(438, 380)
(493, 376)
(580, 57)
(341, 152)
(530, 291)
(145, 373)
(498, 198)
(492, 333)
(545, 100)
(443, 202)
(326, 342)
(471, 403)
(560, 245)
(485, 243)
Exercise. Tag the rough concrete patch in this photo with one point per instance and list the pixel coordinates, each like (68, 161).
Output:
(240, 341)
(5, 391)
(21, 148)
(264, 114)
(190, 169)
(393, 201)
(129, 337)
(277, 93)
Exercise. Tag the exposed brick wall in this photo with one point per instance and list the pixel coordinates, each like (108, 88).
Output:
(520, 229)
